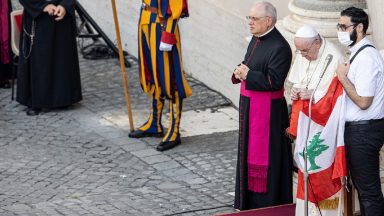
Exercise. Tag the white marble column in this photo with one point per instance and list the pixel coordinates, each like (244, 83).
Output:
(376, 11)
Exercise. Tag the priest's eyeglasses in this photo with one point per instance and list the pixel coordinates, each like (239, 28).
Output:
(343, 27)
(254, 19)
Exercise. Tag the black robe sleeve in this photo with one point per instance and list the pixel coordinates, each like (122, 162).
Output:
(273, 79)
(69, 6)
(34, 7)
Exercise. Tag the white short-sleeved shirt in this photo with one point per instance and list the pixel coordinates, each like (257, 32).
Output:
(367, 75)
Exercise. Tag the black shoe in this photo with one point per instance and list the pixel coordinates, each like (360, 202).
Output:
(167, 145)
(33, 111)
(141, 134)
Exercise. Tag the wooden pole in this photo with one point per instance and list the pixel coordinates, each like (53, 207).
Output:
(348, 196)
(122, 67)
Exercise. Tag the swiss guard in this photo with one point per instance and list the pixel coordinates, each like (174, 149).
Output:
(161, 68)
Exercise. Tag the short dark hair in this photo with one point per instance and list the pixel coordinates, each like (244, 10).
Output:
(357, 16)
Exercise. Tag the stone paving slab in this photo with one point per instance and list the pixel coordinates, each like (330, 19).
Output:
(79, 161)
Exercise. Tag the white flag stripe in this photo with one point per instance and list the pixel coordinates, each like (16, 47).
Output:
(303, 123)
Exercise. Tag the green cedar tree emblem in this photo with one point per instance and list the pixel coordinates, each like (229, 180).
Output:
(314, 150)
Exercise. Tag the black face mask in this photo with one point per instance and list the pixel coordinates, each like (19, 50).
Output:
(353, 37)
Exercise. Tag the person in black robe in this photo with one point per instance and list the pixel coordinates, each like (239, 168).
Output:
(48, 72)
(264, 165)
(5, 65)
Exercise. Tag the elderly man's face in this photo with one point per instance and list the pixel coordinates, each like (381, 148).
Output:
(308, 49)
(259, 23)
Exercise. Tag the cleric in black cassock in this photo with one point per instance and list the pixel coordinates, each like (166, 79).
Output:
(264, 166)
(48, 73)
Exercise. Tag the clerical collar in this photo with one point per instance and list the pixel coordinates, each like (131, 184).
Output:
(266, 32)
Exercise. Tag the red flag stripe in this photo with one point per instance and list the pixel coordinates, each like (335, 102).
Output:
(323, 186)
(340, 167)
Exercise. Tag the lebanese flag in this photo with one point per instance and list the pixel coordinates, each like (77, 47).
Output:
(326, 155)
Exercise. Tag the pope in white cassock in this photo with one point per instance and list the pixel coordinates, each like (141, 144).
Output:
(323, 132)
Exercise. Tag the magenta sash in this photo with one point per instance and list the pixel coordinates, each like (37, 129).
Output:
(258, 136)
(4, 32)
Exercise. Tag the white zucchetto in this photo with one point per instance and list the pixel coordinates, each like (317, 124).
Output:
(306, 31)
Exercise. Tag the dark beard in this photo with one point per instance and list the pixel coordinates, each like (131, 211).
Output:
(353, 37)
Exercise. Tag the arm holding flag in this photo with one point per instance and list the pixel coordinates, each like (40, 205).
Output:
(362, 102)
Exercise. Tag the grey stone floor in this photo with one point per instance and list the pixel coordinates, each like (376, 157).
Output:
(79, 161)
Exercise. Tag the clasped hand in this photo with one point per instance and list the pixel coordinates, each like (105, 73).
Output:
(301, 93)
(241, 72)
(58, 11)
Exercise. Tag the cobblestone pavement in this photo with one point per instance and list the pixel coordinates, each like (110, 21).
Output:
(80, 161)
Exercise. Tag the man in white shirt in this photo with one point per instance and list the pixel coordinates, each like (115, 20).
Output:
(363, 81)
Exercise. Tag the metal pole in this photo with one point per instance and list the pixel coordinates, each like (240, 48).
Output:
(328, 60)
(306, 175)
(122, 67)
(306, 158)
